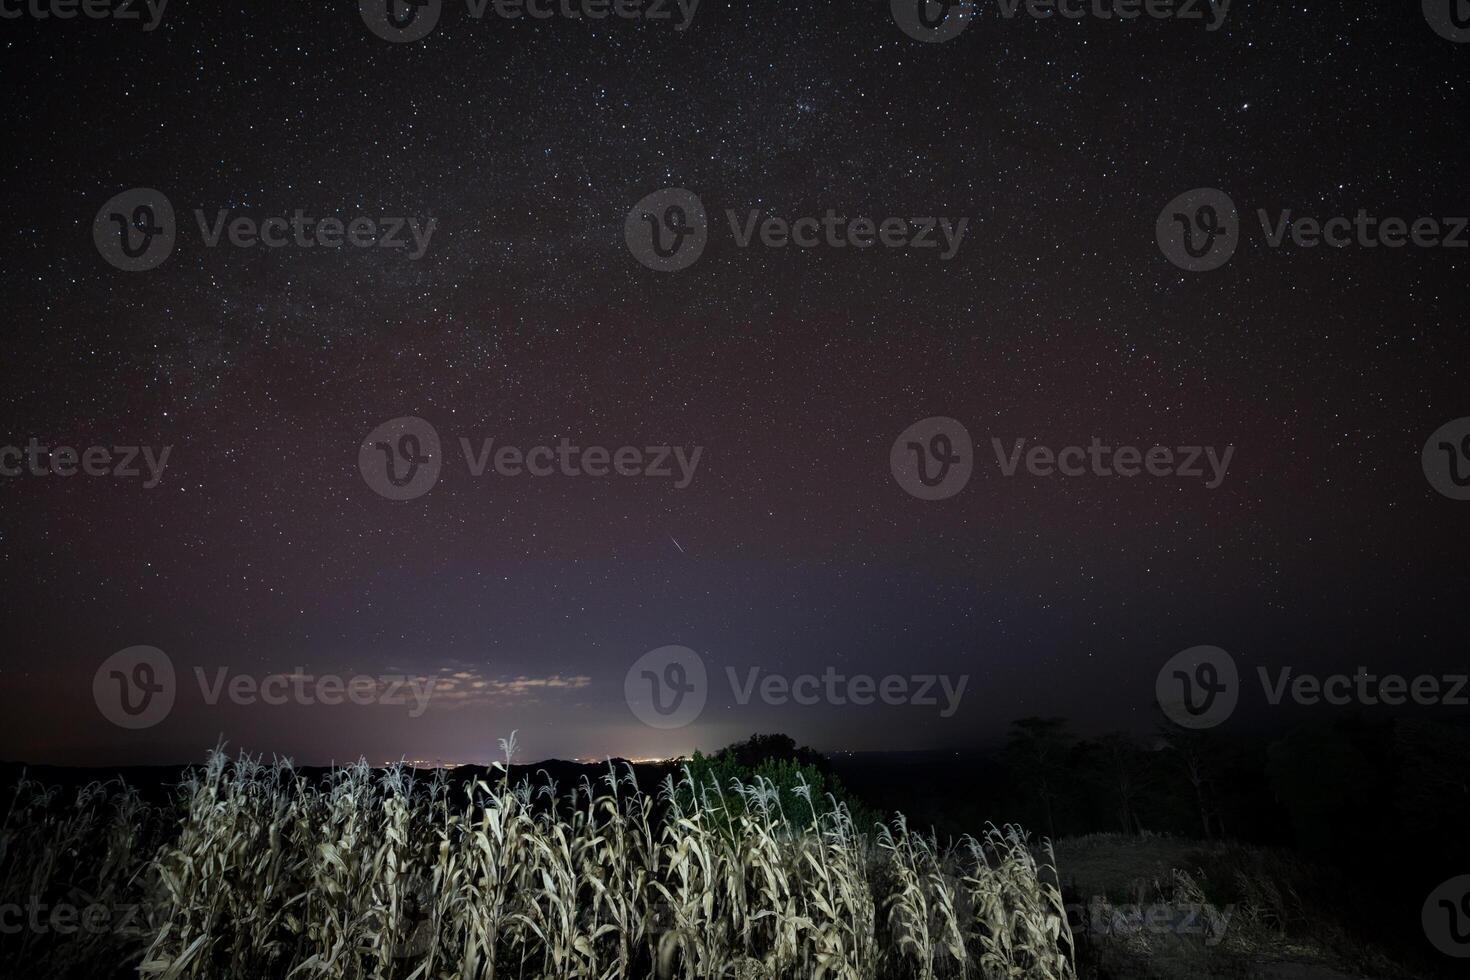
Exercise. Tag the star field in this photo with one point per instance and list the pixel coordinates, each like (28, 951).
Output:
(527, 320)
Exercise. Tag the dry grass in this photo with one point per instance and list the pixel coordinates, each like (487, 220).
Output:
(74, 877)
(379, 874)
(1223, 910)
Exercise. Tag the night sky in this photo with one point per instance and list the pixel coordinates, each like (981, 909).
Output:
(263, 549)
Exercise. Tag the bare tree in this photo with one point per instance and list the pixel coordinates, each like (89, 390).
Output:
(1038, 750)
(1194, 751)
(1125, 771)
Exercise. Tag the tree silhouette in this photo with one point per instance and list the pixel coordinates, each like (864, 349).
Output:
(1037, 753)
(1196, 757)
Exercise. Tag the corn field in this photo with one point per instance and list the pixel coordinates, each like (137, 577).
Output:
(260, 872)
